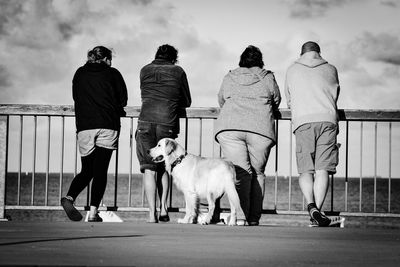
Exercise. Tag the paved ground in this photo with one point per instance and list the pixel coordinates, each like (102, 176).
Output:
(171, 244)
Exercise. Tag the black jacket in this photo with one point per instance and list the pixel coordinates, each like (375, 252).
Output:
(100, 93)
(165, 93)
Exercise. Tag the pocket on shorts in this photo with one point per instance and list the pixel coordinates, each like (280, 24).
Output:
(332, 126)
(329, 135)
(142, 130)
(298, 148)
(303, 128)
(335, 153)
(165, 132)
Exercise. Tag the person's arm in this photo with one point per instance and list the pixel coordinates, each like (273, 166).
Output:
(276, 94)
(221, 98)
(122, 92)
(338, 88)
(287, 91)
(74, 89)
(186, 99)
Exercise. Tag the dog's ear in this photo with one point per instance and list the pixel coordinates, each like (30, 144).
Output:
(170, 147)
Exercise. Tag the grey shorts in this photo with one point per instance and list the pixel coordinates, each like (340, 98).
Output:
(89, 139)
(316, 147)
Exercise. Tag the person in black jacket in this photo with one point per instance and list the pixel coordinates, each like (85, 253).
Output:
(100, 95)
(165, 95)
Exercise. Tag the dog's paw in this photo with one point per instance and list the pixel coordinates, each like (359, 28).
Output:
(232, 222)
(182, 220)
(240, 222)
(204, 220)
(186, 220)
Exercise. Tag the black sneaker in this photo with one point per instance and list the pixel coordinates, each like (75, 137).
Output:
(96, 218)
(313, 223)
(163, 218)
(320, 218)
(68, 206)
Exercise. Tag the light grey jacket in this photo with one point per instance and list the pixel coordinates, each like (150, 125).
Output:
(247, 99)
(312, 89)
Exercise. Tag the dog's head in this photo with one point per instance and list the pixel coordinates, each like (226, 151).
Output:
(166, 149)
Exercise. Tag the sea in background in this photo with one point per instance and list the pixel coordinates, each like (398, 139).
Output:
(137, 199)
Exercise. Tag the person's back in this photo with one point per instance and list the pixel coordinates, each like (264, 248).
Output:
(245, 127)
(164, 94)
(99, 93)
(312, 88)
(164, 91)
(248, 96)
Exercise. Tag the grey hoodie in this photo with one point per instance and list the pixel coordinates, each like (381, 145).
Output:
(247, 98)
(312, 89)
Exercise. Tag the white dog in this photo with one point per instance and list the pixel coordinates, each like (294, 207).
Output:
(198, 177)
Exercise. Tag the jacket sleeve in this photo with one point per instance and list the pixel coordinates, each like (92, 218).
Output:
(74, 89)
(338, 87)
(287, 91)
(276, 94)
(121, 92)
(221, 98)
(186, 99)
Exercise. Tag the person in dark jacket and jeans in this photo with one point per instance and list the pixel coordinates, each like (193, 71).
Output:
(100, 94)
(165, 94)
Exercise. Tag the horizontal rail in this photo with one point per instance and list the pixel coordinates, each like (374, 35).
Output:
(199, 118)
(195, 112)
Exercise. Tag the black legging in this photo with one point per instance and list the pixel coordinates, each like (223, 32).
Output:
(95, 166)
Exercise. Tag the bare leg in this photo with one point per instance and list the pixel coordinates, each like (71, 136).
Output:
(149, 181)
(321, 185)
(163, 194)
(306, 182)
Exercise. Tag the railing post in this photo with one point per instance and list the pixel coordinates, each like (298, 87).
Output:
(3, 164)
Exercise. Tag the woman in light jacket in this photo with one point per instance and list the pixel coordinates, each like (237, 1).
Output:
(245, 128)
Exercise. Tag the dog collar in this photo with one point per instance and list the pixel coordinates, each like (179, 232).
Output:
(177, 161)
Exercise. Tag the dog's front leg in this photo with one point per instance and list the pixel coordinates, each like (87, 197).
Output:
(191, 208)
(211, 208)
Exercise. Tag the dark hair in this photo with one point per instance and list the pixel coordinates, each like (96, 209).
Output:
(310, 46)
(97, 54)
(167, 52)
(251, 57)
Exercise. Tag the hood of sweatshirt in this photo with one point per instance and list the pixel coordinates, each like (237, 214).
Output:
(247, 76)
(96, 67)
(311, 60)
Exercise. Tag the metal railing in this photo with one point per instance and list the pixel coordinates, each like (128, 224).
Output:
(28, 130)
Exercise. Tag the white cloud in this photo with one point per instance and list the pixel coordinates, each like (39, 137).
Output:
(43, 42)
(390, 3)
(303, 9)
(382, 47)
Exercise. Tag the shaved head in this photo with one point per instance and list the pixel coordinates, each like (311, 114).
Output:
(310, 46)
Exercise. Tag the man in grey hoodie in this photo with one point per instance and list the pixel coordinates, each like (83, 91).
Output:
(312, 90)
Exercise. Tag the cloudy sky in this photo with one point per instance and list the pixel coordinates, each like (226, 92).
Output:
(43, 42)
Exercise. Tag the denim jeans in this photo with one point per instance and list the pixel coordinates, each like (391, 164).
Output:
(147, 135)
(249, 153)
